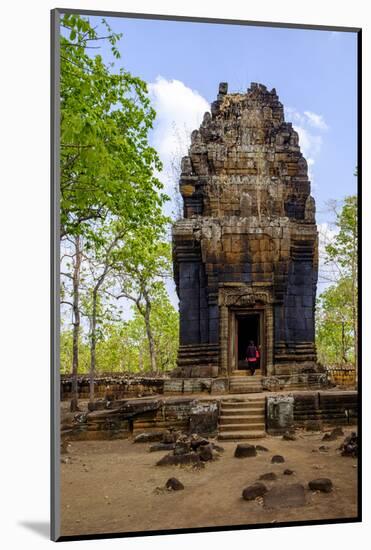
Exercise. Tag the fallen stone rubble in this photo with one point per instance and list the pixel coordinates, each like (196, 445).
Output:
(187, 449)
(350, 445)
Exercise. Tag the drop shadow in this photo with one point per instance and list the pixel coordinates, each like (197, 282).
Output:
(42, 528)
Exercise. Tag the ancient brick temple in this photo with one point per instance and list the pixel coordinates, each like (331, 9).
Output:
(245, 253)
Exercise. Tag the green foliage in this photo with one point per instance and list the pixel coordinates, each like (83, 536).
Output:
(344, 248)
(66, 353)
(337, 307)
(107, 166)
(111, 202)
(122, 346)
(334, 327)
(146, 261)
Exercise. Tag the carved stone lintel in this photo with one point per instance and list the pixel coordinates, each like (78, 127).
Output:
(242, 296)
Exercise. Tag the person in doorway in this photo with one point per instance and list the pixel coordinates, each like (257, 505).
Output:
(252, 356)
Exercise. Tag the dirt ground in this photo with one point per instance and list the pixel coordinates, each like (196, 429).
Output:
(114, 486)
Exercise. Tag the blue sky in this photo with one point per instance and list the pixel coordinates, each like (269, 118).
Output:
(314, 73)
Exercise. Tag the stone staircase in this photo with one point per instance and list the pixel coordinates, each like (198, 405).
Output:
(242, 418)
(241, 382)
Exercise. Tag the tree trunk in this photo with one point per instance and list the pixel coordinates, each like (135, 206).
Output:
(343, 342)
(76, 324)
(93, 344)
(151, 343)
(141, 359)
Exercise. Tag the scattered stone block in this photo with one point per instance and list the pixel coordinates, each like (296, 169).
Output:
(254, 491)
(288, 436)
(350, 446)
(277, 459)
(269, 476)
(322, 484)
(244, 450)
(182, 447)
(173, 484)
(161, 447)
(261, 448)
(197, 442)
(148, 437)
(169, 436)
(288, 472)
(286, 496)
(205, 452)
(179, 460)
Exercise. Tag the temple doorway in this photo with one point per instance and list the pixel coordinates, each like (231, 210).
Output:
(248, 329)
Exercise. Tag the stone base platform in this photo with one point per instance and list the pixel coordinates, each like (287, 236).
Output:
(242, 382)
(234, 416)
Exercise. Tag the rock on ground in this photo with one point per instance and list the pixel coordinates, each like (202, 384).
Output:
(161, 447)
(277, 459)
(179, 460)
(322, 484)
(285, 496)
(289, 436)
(148, 437)
(253, 491)
(244, 450)
(270, 476)
(349, 446)
(205, 452)
(174, 484)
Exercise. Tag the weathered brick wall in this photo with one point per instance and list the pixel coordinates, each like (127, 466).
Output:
(248, 237)
(117, 385)
(126, 418)
(311, 409)
(342, 376)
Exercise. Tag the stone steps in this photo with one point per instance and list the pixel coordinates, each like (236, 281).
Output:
(245, 384)
(255, 406)
(242, 412)
(237, 436)
(243, 427)
(241, 419)
(227, 420)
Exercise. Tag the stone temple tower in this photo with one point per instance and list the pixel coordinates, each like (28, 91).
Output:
(245, 253)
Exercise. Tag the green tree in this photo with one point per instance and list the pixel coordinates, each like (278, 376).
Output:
(165, 323)
(343, 252)
(146, 263)
(334, 326)
(107, 166)
(102, 258)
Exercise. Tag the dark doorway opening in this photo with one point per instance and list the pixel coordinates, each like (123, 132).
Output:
(248, 329)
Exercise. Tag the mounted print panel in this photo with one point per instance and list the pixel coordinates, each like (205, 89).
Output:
(206, 367)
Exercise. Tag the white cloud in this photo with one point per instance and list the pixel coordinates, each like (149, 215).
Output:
(308, 125)
(179, 111)
(310, 144)
(328, 272)
(315, 120)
